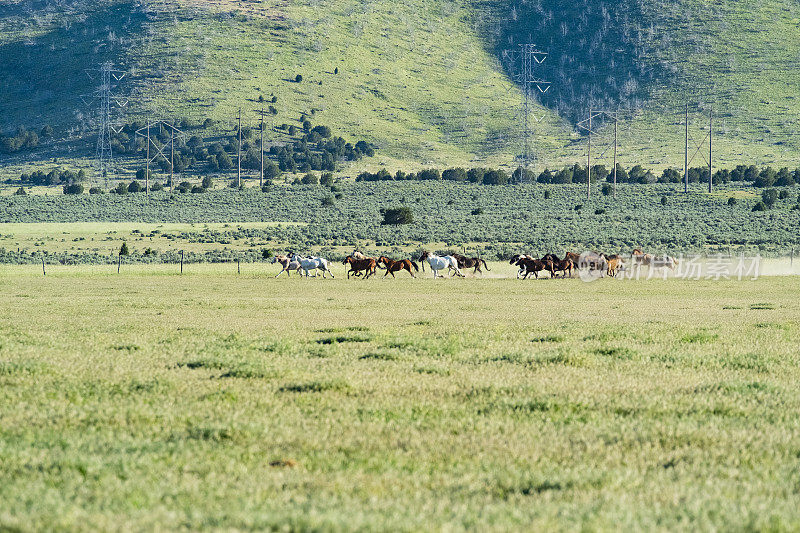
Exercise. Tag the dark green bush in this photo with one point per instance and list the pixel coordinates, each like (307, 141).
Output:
(309, 179)
(769, 197)
(73, 188)
(398, 216)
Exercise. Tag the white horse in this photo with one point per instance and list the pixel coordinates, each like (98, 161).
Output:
(438, 263)
(287, 264)
(664, 262)
(313, 263)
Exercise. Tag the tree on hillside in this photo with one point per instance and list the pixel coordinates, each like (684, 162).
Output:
(769, 197)
(395, 217)
(766, 178)
(495, 177)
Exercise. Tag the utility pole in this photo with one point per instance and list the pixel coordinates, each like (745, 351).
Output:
(616, 119)
(710, 135)
(261, 179)
(239, 169)
(686, 155)
(159, 151)
(589, 160)
(172, 162)
(147, 167)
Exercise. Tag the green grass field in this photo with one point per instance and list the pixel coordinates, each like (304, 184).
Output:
(151, 400)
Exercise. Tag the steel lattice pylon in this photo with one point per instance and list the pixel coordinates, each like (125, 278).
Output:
(105, 126)
(522, 65)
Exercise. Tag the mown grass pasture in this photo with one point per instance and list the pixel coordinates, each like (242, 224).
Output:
(150, 400)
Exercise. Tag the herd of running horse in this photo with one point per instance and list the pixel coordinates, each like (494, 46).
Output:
(361, 265)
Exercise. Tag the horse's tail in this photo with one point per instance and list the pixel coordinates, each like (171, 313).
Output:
(484, 264)
(416, 268)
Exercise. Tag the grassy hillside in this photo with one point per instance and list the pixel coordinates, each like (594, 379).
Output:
(424, 81)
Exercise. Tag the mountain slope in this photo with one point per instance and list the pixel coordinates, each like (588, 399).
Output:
(424, 81)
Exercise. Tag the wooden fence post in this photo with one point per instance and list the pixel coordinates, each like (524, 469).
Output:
(43, 271)
(119, 262)
(181, 261)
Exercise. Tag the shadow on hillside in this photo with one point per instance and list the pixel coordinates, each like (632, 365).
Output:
(42, 78)
(597, 56)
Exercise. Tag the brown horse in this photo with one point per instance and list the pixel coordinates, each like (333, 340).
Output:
(534, 266)
(471, 262)
(615, 263)
(393, 266)
(565, 266)
(357, 265)
(287, 264)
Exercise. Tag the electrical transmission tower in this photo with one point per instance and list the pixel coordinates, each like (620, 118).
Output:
(587, 126)
(522, 64)
(104, 94)
(154, 152)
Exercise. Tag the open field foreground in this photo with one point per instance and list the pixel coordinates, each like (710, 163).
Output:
(150, 401)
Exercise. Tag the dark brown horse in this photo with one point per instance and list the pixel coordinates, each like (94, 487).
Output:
(534, 266)
(393, 266)
(357, 265)
(566, 266)
(471, 262)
